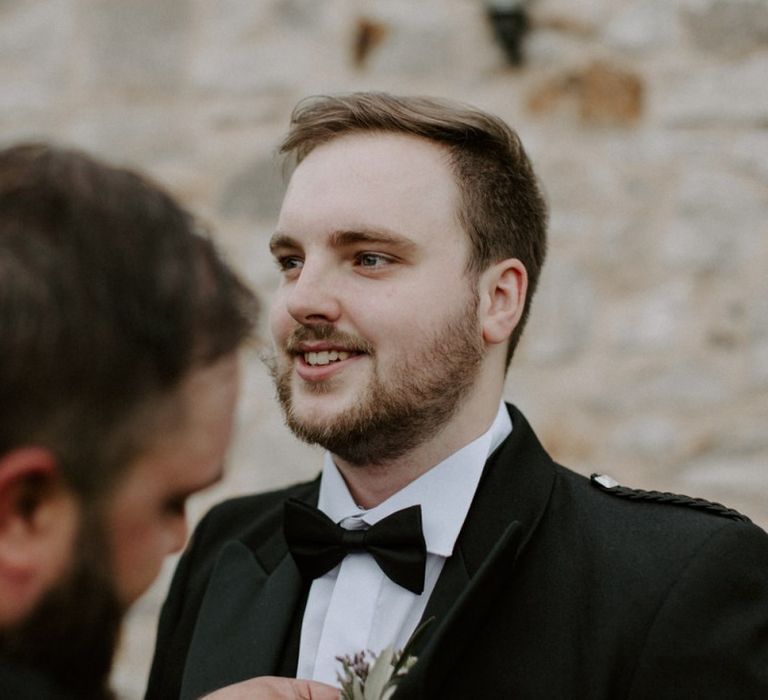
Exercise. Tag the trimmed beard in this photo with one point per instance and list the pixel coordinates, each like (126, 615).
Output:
(395, 416)
(71, 636)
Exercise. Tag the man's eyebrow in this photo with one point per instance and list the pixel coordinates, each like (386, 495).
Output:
(345, 237)
(282, 240)
(371, 236)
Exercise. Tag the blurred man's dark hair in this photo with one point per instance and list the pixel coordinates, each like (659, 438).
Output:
(111, 296)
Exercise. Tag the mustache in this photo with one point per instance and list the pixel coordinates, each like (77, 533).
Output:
(327, 332)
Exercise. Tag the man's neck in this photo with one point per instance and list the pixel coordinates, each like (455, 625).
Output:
(372, 484)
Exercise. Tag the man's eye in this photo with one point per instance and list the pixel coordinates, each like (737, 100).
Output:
(289, 262)
(372, 260)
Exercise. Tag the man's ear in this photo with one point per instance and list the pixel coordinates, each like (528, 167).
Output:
(38, 519)
(502, 288)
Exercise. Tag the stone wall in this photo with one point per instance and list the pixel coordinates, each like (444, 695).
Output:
(647, 352)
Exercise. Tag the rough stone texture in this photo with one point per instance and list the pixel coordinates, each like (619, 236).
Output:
(643, 27)
(255, 192)
(724, 93)
(142, 45)
(604, 95)
(728, 27)
(33, 39)
(561, 327)
(647, 351)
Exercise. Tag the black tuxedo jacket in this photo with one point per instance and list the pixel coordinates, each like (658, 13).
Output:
(556, 589)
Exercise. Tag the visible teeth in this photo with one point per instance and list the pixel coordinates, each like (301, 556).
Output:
(325, 357)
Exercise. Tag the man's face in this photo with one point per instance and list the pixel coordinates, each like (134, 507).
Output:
(375, 321)
(119, 547)
(145, 513)
(71, 634)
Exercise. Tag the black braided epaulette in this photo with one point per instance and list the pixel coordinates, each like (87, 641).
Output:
(610, 485)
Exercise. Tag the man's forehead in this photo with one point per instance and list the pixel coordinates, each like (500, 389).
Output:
(381, 146)
(376, 181)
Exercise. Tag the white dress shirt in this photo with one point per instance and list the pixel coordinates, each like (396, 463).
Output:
(355, 606)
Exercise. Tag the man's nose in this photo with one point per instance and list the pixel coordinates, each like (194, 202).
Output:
(314, 297)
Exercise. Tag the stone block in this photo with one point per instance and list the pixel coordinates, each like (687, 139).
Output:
(683, 386)
(757, 310)
(38, 45)
(654, 437)
(750, 152)
(416, 50)
(758, 366)
(718, 94)
(653, 321)
(558, 43)
(727, 27)
(562, 316)
(602, 94)
(644, 27)
(685, 246)
(586, 12)
(368, 35)
(254, 192)
(251, 47)
(142, 44)
(135, 131)
(728, 472)
(300, 14)
(712, 227)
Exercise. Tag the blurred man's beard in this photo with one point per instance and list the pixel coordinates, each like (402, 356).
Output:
(396, 413)
(71, 636)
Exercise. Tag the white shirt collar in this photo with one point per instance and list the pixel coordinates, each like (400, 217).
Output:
(444, 493)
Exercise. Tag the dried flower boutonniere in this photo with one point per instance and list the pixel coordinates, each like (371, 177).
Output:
(369, 676)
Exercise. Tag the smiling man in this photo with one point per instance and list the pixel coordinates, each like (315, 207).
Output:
(119, 335)
(410, 243)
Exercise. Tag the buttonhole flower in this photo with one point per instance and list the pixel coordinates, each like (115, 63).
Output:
(369, 676)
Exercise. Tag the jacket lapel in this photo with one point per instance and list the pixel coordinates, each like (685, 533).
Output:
(510, 501)
(443, 650)
(246, 613)
(245, 610)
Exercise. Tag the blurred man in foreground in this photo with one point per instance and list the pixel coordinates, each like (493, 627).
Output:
(119, 336)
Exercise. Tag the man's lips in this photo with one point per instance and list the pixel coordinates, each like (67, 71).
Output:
(324, 357)
(320, 351)
(317, 365)
(323, 353)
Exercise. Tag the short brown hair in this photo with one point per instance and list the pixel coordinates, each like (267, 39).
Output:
(110, 295)
(502, 207)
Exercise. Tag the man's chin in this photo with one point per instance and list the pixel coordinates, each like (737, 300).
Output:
(71, 635)
(321, 404)
(312, 425)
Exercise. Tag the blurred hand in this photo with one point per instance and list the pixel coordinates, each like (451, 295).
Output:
(273, 688)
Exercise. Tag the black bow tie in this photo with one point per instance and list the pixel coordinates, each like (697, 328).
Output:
(396, 543)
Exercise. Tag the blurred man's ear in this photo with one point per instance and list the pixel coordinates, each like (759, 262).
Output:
(38, 524)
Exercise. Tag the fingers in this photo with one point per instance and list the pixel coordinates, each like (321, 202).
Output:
(312, 690)
(273, 688)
